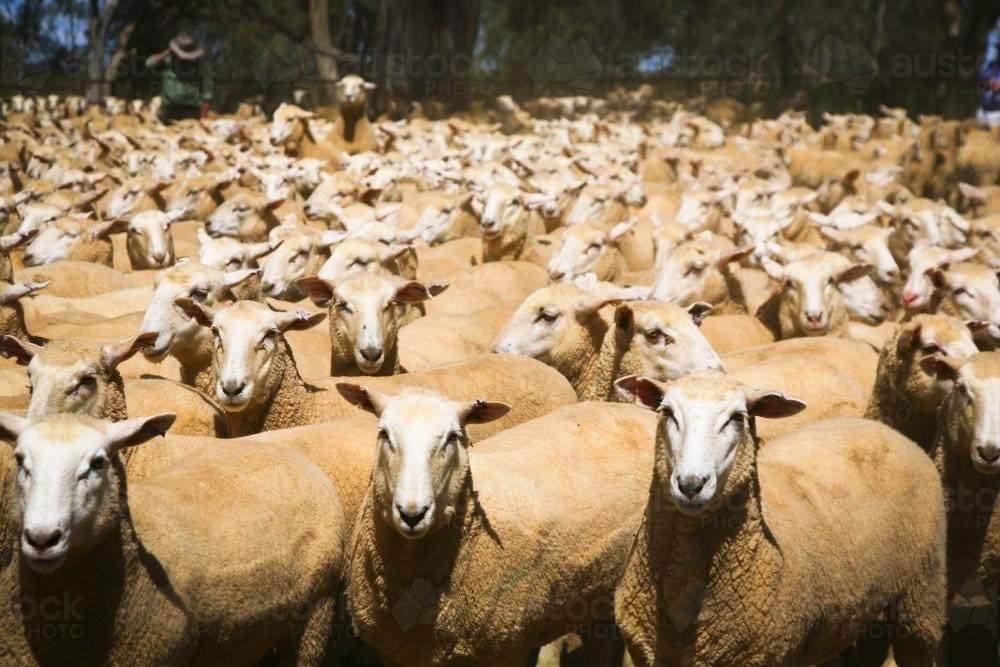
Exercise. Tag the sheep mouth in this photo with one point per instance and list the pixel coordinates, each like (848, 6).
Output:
(984, 467)
(45, 563)
(158, 351)
(491, 232)
(236, 403)
(690, 506)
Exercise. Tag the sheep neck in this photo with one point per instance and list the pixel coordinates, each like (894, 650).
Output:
(12, 320)
(285, 400)
(711, 553)
(95, 589)
(351, 116)
(897, 403)
(589, 372)
(342, 362)
(508, 245)
(196, 363)
(973, 525)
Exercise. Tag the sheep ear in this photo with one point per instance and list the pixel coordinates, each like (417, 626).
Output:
(937, 277)
(258, 250)
(942, 367)
(368, 400)
(482, 412)
(831, 233)
(699, 310)
(18, 290)
(774, 270)
(21, 351)
(113, 354)
(962, 255)
(975, 326)
(272, 204)
(369, 86)
(646, 392)
(437, 288)
(331, 237)
(203, 315)
(299, 320)
(234, 278)
(772, 404)
(320, 290)
(102, 230)
(132, 432)
(393, 252)
(624, 318)
(412, 292)
(588, 305)
(620, 230)
(735, 255)
(12, 426)
(855, 272)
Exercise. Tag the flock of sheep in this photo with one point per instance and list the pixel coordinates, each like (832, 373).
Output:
(401, 367)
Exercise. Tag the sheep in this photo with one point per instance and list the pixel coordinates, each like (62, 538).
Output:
(73, 239)
(972, 292)
(259, 385)
(300, 251)
(699, 271)
(353, 255)
(12, 311)
(364, 314)
(725, 567)
(808, 302)
(292, 130)
(134, 557)
(149, 242)
(486, 286)
(352, 132)
(567, 328)
(131, 197)
(589, 248)
(82, 377)
(229, 254)
(905, 397)
(508, 225)
(455, 521)
(195, 198)
(965, 451)
(866, 245)
(179, 336)
(245, 216)
(444, 338)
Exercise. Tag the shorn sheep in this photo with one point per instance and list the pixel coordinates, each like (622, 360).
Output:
(505, 545)
(153, 569)
(779, 553)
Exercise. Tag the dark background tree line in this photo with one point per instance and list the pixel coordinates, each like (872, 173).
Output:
(919, 54)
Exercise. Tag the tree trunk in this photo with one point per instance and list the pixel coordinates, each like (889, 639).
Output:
(100, 21)
(118, 57)
(326, 61)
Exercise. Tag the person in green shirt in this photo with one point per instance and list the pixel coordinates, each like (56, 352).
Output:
(187, 85)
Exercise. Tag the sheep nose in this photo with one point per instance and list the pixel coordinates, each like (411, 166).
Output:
(411, 519)
(988, 453)
(892, 275)
(556, 275)
(158, 257)
(231, 388)
(42, 540)
(691, 485)
(371, 354)
(910, 298)
(814, 317)
(267, 287)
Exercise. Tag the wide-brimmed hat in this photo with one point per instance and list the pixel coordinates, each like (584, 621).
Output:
(185, 47)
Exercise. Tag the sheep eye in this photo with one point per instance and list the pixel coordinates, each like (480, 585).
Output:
(233, 264)
(97, 464)
(655, 336)
(19, 457)
(738, 418)
(593, 247)
(546, 316)
(344, 308)
(931, 349)
(87, 381)
(959, 291)
(199, 294)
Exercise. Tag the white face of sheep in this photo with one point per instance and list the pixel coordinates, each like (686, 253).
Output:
(810, 290)
(62, 237)
(201, 284)
(286, 123)
(353, 256)
(297, 253)
(974, 409)
(422, 457)
(693, 272)
(554, 197)
(364, 308)
(594, 203)
(865, 300)
(35, 216)
(761, 232)
(149, 242)
(65, 481)
(503, 208)
(974, 292)
(583, 248)
(246, 338)
(241, 217)
(437, 219)
(665, 338)
(705, 419)
(132, 196)
(548, 323)
(353, 91)
(867, 245)
(699, 210)
(923, 259)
